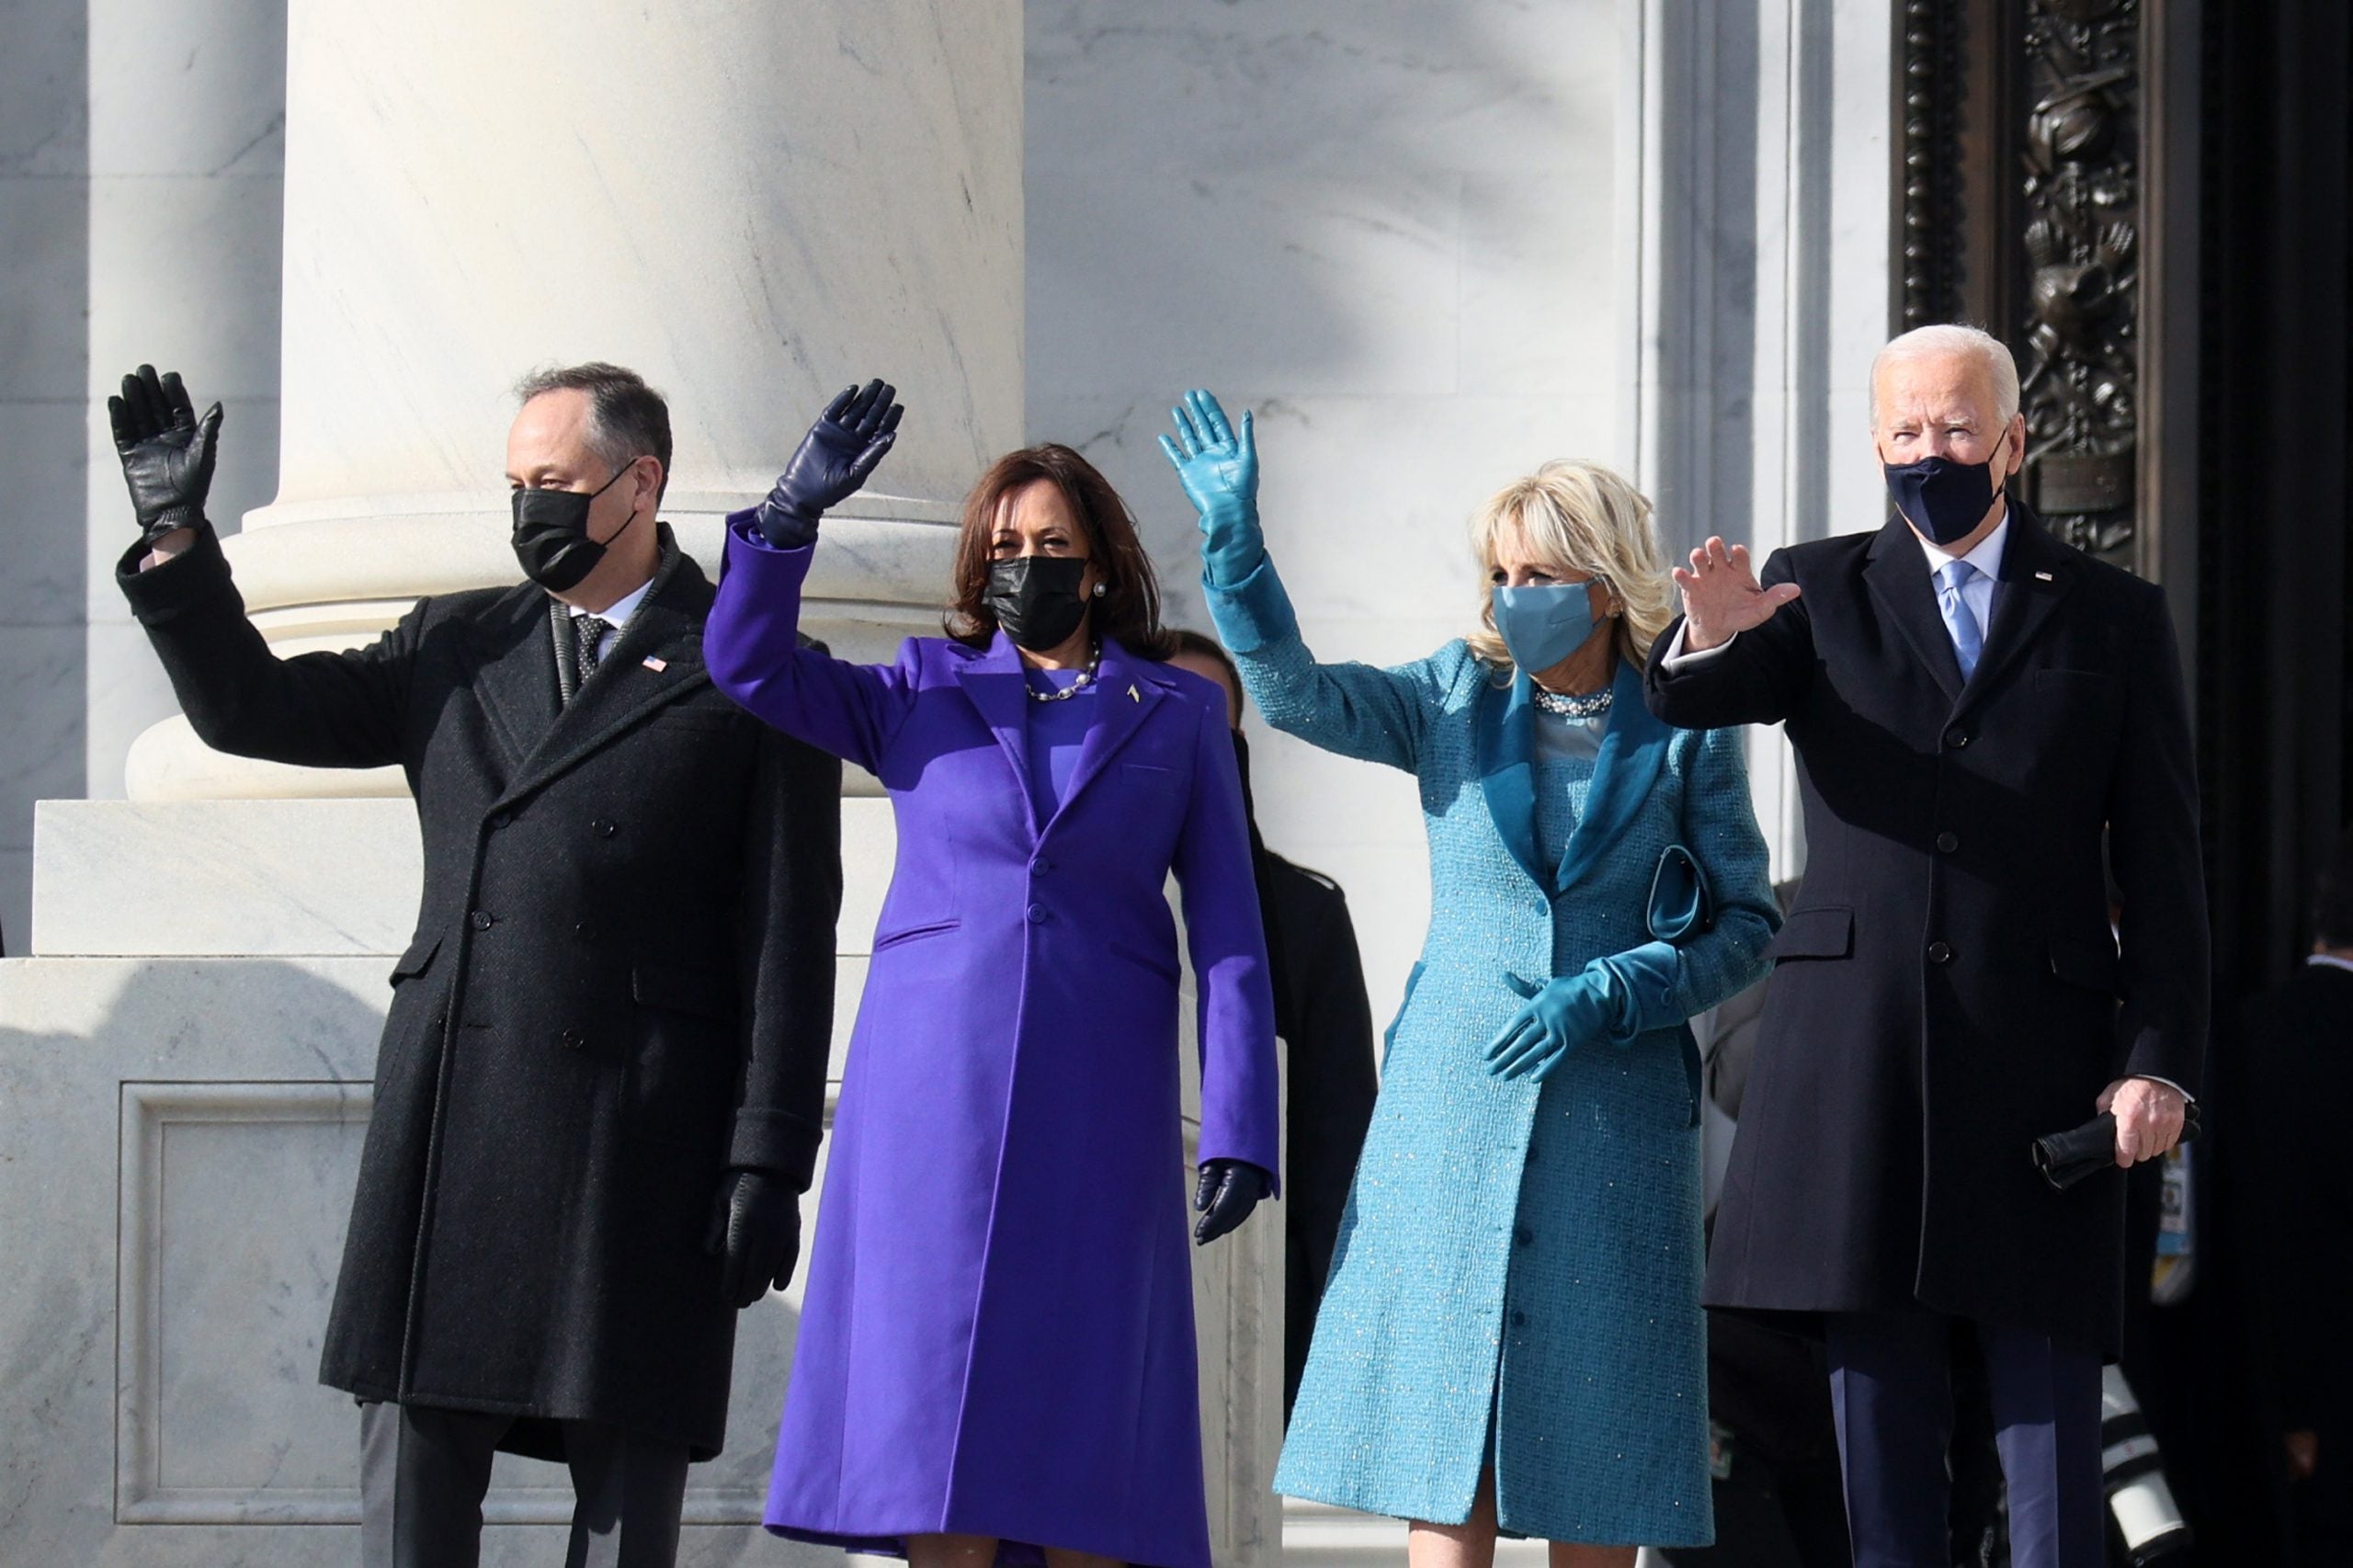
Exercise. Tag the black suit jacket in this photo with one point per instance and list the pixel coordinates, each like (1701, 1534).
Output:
(1325, 1020)
(1948, 988)
(621, 983)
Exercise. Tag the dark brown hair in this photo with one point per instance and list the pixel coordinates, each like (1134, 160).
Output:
(629, 419)
(1184, 640)
(1130, 608)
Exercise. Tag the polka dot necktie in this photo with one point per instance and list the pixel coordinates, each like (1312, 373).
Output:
(590, 633)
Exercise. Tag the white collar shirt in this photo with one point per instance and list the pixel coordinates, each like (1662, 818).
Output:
(616, 615)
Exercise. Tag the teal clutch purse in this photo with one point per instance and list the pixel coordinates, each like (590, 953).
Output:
(1678, 904)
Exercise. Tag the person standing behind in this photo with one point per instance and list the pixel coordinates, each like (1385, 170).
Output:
(996, 1347)
(1325, 1019)
(2295, 1040)
(1511, 1338)
(601, 1084)
(1974, 706)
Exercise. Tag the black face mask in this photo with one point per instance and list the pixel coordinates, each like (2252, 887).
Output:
(1036, 599)
(551, 534)
(1942, 498)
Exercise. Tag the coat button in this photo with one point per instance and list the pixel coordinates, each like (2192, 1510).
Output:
(603, 829)
(1040, 914)
(500, 819)
(572, 1039)
(1947, 843)
(1956, 738)
(481, 919)
(1041, 866)
(1940, 952)
(1518, 1320)
(585, 931)
(1525, 1236)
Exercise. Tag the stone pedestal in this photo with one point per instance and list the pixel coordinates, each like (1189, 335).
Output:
(751, 205)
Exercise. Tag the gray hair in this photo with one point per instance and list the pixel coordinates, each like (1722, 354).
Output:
(1950, 338)
(627, 419)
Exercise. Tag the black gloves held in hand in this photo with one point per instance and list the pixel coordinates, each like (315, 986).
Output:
(834, 460)
(1228, 1189)
(756, 1224)
(167, 451)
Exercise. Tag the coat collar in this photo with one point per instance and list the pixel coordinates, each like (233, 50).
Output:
(2037, 573)
(1127, 689)
(666, 632)
(1633, 749)
(1899, 579)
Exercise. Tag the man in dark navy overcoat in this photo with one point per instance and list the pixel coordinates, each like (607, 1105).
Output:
(1977, 711)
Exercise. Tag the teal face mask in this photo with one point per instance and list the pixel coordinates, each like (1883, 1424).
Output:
(1544, 623)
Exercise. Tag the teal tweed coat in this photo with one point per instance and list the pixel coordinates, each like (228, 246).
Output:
(1518, 1275)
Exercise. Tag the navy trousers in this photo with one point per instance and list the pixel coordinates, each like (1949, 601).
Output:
(1891, 1388)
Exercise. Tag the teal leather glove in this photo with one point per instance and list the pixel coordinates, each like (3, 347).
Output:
(1220, 472)
(1560, 1016)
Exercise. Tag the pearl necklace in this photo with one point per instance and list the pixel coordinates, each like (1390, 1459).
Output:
(1589, 705)
(1085, 678)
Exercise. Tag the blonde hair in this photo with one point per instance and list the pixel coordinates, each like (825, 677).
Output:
(1584, 517)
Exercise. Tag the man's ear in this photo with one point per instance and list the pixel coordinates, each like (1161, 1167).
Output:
(647, 481)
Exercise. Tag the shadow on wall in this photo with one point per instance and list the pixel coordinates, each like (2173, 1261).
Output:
(176, 1164)
(44, 374)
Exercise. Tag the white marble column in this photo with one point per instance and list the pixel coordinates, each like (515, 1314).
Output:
(188, 142)
(749, 203)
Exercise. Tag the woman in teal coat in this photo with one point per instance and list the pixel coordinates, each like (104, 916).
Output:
(1511, 1338)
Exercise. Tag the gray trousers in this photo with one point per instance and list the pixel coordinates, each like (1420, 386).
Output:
(422, 1473)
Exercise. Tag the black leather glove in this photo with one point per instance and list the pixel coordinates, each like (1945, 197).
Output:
(756, 1223)
(1228, 1189)
(167, 451)
(834, 460)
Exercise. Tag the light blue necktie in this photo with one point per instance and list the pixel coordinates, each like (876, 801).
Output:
(1968, 637)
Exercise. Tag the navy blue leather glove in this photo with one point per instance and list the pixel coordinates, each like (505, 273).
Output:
(832, 461)
(1220, 472)
(755, 1223)
(1228, 1189)
(167, 451)
(1561, 1016)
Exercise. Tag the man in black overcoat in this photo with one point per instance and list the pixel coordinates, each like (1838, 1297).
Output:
(600, 1088)
(1326, 1022)
(1975, 706)
(2293, 1042)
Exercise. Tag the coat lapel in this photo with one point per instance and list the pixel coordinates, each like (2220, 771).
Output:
(1507, 768)
(1124, 696)
(2036, 575)
(992, 678)
(665, 631)
(515, 679)
(1633, 749)
(1898, 574)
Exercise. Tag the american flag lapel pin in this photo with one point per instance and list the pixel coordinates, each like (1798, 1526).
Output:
(2043, 577)
(656, 666)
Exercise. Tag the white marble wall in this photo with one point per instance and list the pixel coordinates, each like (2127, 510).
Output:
(44, 261)
(1392, 229)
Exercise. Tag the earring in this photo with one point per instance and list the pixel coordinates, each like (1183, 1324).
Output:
(1098, 590)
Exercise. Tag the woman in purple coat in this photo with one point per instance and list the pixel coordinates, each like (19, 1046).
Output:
(995, 1357)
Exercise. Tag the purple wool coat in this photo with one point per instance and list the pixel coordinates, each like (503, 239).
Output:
(997, 1334)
